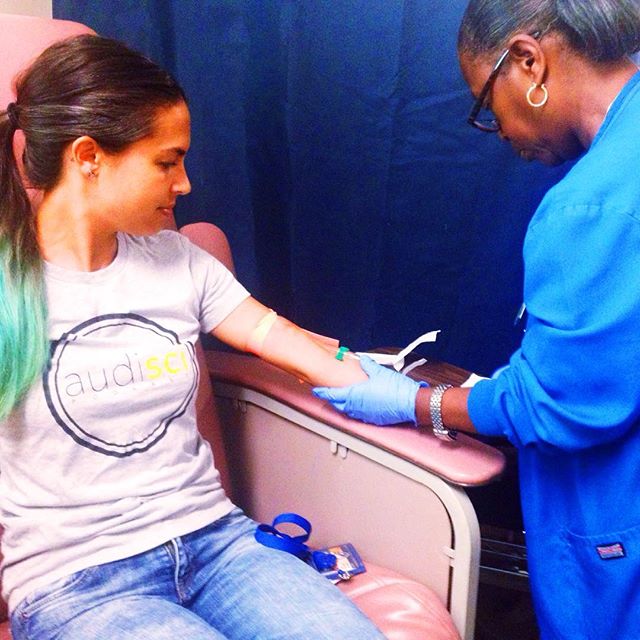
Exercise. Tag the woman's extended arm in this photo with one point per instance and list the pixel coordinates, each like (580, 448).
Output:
(372, 396)
(287, 346)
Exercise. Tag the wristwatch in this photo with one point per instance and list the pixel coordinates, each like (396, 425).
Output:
(435, 411)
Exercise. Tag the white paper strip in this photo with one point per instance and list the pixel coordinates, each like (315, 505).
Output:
(396, 360)
(473, 379)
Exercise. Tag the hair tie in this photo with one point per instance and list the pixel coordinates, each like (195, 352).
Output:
(12, 114)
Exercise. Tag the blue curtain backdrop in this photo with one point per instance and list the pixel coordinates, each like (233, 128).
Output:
(330, 143)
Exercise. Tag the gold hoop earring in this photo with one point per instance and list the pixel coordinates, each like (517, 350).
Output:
(545, 97)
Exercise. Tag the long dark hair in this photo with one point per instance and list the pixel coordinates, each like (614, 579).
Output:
(600, 30)
(86, 85)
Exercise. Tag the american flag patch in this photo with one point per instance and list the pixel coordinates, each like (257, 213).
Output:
(611, 551)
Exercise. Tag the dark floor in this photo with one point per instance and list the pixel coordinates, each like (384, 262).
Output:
(504, 614)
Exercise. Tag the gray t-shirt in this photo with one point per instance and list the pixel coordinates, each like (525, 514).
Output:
(102, 460)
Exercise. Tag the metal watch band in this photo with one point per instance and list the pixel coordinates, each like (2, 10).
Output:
(435, 411)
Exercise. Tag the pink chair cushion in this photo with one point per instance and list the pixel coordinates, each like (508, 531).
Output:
(23, 38)
(212, 239)
(401, 608)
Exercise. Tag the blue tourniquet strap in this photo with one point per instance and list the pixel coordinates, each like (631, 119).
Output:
(270, 536)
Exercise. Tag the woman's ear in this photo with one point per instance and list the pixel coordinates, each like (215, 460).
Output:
(528, 56)
(86, 154)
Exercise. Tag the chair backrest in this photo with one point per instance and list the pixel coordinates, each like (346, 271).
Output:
(23, 39)
(212, 239)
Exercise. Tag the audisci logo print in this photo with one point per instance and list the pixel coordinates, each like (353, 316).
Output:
(95, 376)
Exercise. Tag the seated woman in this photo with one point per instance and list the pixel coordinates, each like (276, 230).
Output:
(115, 521)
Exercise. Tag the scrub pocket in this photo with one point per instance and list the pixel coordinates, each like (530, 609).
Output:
(605, 585)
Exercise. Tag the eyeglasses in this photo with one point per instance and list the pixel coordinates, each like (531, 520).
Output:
(480, 117)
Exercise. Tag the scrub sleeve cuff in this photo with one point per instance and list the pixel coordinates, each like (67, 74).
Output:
(481, 406)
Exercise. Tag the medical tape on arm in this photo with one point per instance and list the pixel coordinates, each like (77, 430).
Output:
(255, 341)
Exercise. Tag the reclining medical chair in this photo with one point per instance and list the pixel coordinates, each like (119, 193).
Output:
(396, 493)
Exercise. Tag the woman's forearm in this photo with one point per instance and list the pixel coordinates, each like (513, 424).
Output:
(255, 328)
(292, 349)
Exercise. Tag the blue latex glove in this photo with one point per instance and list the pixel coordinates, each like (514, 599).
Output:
(387, 397)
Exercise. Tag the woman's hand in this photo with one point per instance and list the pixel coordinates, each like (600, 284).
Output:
(387, 397)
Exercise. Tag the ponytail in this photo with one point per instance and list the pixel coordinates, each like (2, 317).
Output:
(23, 316)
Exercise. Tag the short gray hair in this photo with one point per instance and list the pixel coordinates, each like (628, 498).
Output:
(600, 30)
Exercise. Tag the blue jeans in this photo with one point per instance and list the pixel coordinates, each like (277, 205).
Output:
(211, 584)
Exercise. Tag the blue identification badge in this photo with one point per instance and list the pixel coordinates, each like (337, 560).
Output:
(337, 563)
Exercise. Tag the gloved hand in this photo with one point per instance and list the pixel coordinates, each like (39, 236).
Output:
(387, 397)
